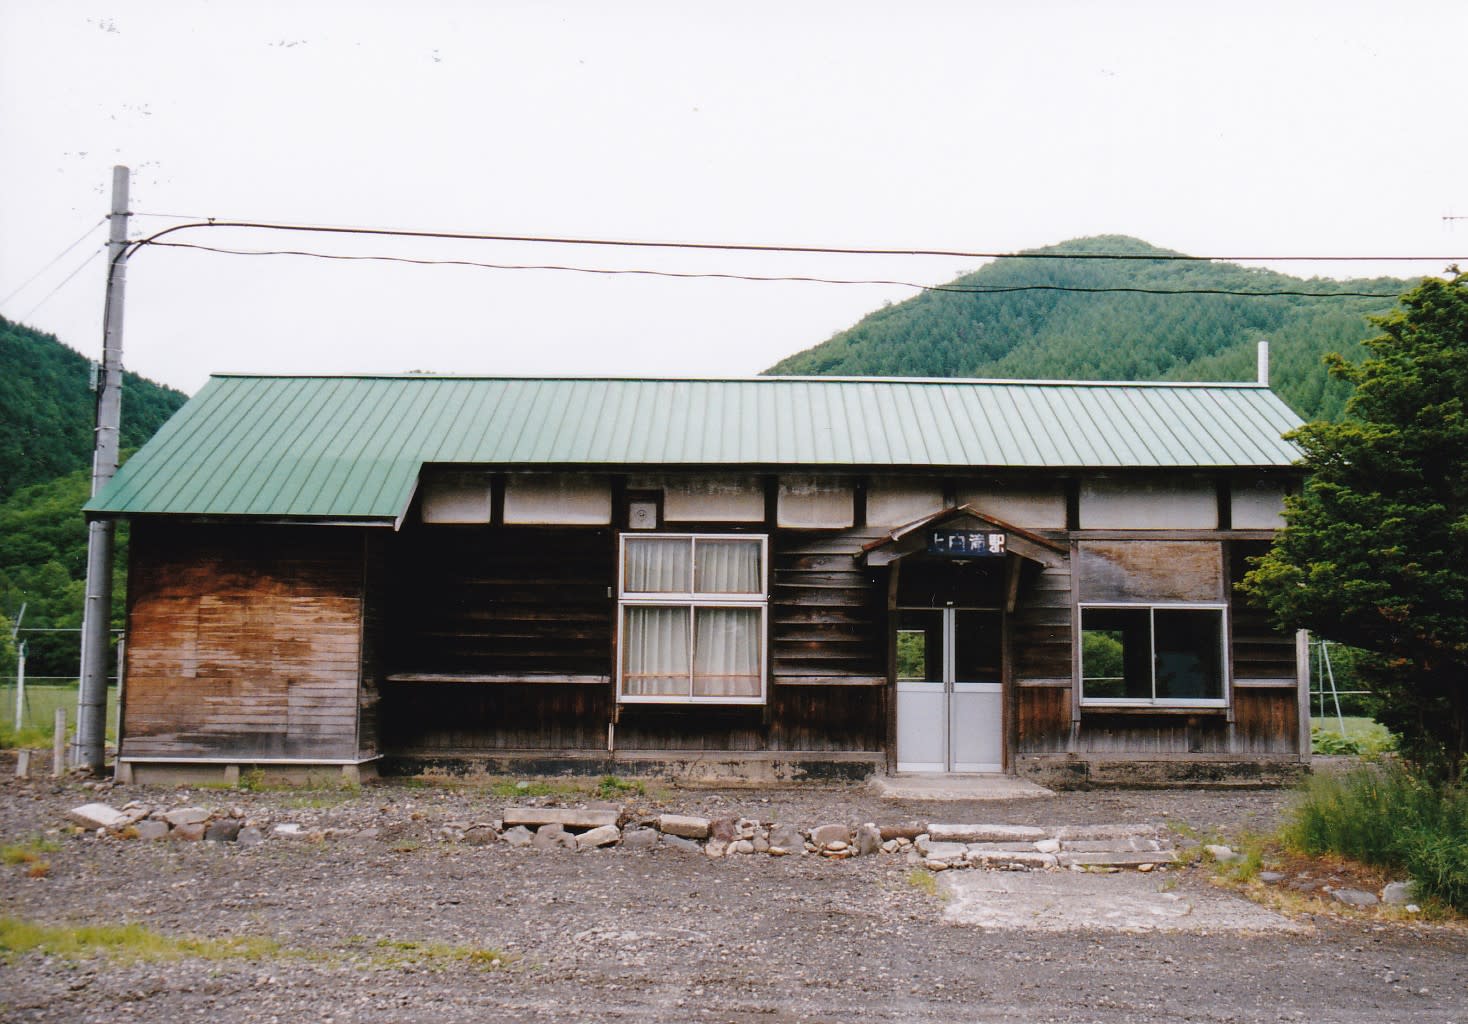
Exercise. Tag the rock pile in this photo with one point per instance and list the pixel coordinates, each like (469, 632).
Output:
(138, 821)
(936, 846)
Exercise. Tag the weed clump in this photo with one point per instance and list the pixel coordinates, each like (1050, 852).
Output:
(1387, 815)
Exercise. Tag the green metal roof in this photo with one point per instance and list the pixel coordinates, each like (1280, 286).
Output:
(352, 447)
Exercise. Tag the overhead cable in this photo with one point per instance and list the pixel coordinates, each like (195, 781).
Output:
(54, 260)
(960, 289)
(210, 222)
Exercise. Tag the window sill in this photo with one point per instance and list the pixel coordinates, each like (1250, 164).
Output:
(1154, 709)
(702, 702)
(511, 678)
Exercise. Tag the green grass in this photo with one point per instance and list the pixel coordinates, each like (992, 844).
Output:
(611, 788)
(133, 943)
(28, 851)
(1385, 815)
(1363, 736)
(923, 879)
(127, 942)
(41, 702)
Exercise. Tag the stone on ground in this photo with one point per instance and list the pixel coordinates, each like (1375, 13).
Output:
(945, 833)
(226, 830)
(95, 816)
(566, 817)
(1354, 897)
(1398, 894)
(186, 816)
(683, 825)
(518, 836)
(604, 835)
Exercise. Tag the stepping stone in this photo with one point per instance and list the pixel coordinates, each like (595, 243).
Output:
(1127, 859)
(566, 817)
(985, 833)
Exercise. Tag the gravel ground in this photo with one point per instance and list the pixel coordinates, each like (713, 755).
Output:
(657, 935)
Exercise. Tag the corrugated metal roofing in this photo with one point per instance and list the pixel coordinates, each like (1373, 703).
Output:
(352, 447)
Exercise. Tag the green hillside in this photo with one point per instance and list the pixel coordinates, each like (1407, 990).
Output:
(47, 409)
(1113, 335)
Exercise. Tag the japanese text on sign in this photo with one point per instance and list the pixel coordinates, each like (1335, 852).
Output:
(965, 543)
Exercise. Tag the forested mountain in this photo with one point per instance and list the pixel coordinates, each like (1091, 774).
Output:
(47, 409)
(1114, 335)
(47, 412)
(43, 566)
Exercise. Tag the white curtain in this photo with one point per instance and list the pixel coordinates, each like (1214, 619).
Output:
(728, 567)
(726, 646)
(655, 652)
(658, 565)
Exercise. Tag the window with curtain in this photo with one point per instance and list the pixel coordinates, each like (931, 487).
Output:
(692, 611)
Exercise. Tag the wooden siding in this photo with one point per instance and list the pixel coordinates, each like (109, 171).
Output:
(1266, 721)
(1043, 719)
(1260, 652)
(501, 602)
(374, 634)
(1040, 627)
(523, 606)
(467, 718)
(1154, 571)
(243, 641)
(827, 611)
(1143, 735)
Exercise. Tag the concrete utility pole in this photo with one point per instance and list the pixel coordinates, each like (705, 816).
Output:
(91, 712)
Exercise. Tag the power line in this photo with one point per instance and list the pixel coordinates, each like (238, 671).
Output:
(994, 290)
(212, 222)
(55, 260)
(64, 281)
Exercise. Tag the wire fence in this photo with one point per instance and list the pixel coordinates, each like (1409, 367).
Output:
(28, 702)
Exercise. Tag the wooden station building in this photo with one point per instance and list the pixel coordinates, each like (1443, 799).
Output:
(766, 578)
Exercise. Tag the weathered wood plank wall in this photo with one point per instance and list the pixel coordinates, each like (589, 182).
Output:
(514, 605)
(508, 601)
(243, 641)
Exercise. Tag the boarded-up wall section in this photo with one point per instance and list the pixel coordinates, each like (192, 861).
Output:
(243, 642)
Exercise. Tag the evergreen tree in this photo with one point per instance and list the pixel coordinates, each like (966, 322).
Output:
(1375, 552)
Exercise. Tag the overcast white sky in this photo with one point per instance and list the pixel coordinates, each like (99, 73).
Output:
(1232, 129)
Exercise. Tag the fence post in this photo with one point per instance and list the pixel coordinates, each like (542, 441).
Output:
(20, 688)
(58, 745)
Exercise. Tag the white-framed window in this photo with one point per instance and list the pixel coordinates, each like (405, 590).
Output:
(1146, 655)
(691, 612)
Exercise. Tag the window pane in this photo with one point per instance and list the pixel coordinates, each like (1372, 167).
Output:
(1116, 653)
(1189, 654)
(655, 652)
(976, 647)
(727, 567)
(726, 661)
(659, 565)
(920, 646)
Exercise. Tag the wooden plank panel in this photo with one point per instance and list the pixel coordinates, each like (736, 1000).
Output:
(1043, 714)
(1151, 571)
(1265, 721)
(243, 641)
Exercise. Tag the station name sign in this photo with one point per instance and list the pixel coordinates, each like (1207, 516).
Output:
(966, 543)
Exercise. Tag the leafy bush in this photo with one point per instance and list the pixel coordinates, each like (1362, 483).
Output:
(1363, 737)
(1387, 815)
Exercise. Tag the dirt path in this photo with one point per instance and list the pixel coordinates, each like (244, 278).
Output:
(661, 934)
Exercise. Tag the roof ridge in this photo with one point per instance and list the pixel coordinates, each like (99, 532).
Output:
(755, 379)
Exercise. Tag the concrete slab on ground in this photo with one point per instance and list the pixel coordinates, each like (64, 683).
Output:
(956, 787)
(1063, 901)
